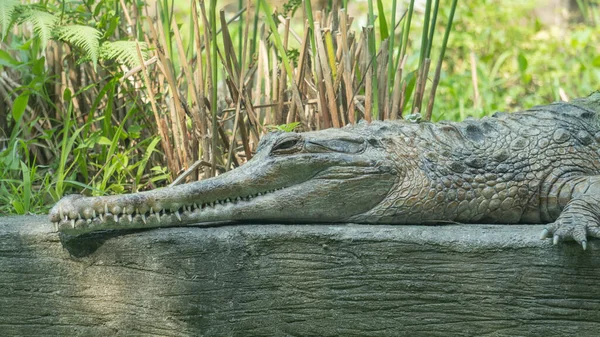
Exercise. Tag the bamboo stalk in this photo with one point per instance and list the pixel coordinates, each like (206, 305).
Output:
(382, 79)
(398, 91)
(211, 57)
(282, 82)
(326, 74)
(296, 110)
(238, 117)
(476, 97)
(368, 76)
(178, 127)
(165, 140)
(347, 74)
(204, 135)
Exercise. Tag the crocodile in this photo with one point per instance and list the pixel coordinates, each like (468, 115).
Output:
(538, 166)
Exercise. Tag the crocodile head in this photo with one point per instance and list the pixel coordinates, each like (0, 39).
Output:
(323, 176)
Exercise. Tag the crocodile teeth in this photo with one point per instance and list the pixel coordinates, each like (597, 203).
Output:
(130, 218)
(105, 208)
(144, 218)
(178, 216)
(101, 217)
(78, 216)
(61, 213)
(116, 218)
(66, 218)
(73, 223)
(259, 194)
(158, 217)
(151, 210)
(196, 206)
(93, 213)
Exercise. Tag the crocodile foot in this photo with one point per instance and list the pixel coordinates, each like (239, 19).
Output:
(572, 229)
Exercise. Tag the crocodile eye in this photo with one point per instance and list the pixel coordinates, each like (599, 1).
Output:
(286, 146)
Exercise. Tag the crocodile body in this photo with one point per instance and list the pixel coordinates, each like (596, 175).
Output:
(541, 165)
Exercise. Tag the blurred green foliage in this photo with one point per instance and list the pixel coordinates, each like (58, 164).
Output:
(519, 61)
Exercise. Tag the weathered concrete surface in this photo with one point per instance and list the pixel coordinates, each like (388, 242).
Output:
(296, 280)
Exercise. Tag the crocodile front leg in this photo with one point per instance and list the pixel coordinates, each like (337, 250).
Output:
(580, 217)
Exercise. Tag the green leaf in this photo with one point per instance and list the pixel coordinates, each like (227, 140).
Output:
(149, 150)
(383, 27)
(124, 52)
(522, 62)
(19, 106)
(7, 60)
(18, 206)
(104, 141)
(43, 24)
(84, 37)
(26, 187)
(7, 9)
(67, 95)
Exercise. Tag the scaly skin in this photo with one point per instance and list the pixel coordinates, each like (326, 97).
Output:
(537, 166)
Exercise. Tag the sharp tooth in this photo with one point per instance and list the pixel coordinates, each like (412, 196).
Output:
(66, 218)
(116, 218)
(89, 221)
(101, 217)
(151, 210)
(178, 216)
(78, 216)
(158, 217)
(137, 211)
(60, 212)
(105, 208)
(196, 206)
(212, 204)
(238, 199)
(144, 218)
(130, 218)
(228, 200)
(259, 194)
(73, 223)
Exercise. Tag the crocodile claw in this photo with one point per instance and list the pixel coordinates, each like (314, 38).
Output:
(571, 228)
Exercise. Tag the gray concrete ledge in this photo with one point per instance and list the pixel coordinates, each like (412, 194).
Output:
(296, 280)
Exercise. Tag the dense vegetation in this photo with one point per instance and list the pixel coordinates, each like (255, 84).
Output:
(111, 96)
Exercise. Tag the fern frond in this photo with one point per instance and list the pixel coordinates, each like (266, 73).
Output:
(43, 23)
(85, 37)
(123, 52)
(7, 9)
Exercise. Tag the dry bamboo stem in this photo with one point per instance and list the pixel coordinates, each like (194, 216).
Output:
(326, 76)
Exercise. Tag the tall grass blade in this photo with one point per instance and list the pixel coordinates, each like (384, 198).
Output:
(438, 69)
